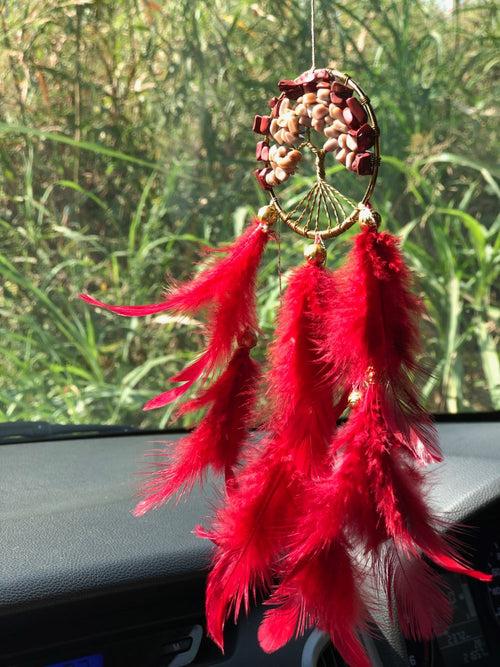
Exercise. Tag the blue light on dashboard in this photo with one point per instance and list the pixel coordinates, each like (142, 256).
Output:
(96, 660)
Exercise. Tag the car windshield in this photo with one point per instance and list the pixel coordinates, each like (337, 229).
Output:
(127, 148)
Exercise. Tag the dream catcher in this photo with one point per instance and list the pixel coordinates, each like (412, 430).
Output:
(311, 510)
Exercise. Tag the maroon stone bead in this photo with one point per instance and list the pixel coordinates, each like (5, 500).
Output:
(322, 75)
(262, 151)
(323, 84)
(310, 86)
(256, 124)
(338, 101)
(291, 88)
(261, 124)
(342, 91)
(357, 110)
(350, 119)
(365, 137)
(306, 77)
(275, 104)
(265, 123)
(363, 164)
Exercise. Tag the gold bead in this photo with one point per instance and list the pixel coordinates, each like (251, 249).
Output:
(247, 338)
(315, 253)
(268, 214)
(354, 397)
(367, 217)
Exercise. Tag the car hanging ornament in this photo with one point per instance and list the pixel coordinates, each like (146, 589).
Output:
(312, 511)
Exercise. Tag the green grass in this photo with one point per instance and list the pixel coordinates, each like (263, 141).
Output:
(126, 145)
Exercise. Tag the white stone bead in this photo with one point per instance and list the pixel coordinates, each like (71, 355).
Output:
(280, 174)
(341, 155)
(330, 131)
(335, 112)
(352, 143)
(350, 159)
(323, 95)
(340, 126)
(271, 179)
(330, 145)
(319, 111)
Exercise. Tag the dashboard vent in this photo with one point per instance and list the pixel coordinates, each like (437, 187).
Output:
(329, 657)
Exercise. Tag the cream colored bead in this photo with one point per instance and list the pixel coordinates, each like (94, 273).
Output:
(318, 124)
(330, 145)
(305, 121)
(274, 126)
(330, 132)
(309, 98)
(271, 179)
(282, 151)
(335, 113)
(342, 140)
(341, 155)
(350, 159)
(279, 136)
(280, 174)
(319, 111)
(293, 125)
(284, 105)
(300, 110)
(351, 142)
(339, 126)
(323, 95)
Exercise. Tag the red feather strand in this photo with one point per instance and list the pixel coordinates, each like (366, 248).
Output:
(250, 530)
(227, 289)
(308, 500)
(217, 441)
(321, 591)
(375, 490)
(376, 325)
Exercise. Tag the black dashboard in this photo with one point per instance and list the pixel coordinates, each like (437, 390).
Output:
(84, 584)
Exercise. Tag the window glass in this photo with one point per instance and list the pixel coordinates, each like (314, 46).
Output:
(126, 147)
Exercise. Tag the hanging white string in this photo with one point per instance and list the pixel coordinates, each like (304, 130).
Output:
(313, 37)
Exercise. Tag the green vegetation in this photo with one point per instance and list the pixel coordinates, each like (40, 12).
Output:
(126, 145)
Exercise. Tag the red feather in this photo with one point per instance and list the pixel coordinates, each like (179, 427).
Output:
(227, 288)
(322, 590)
(250, 531)
(417, 596)
(376, 326)
(217, 440)
(247, 532)
(397, 487)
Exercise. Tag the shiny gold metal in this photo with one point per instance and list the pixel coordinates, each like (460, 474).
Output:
(268, 214)
(315, 253)
(354, 397)
(247, 339)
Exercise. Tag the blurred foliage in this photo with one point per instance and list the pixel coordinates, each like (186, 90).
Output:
(126, 145)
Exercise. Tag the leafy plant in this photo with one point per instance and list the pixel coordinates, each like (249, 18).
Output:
(126, 147)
